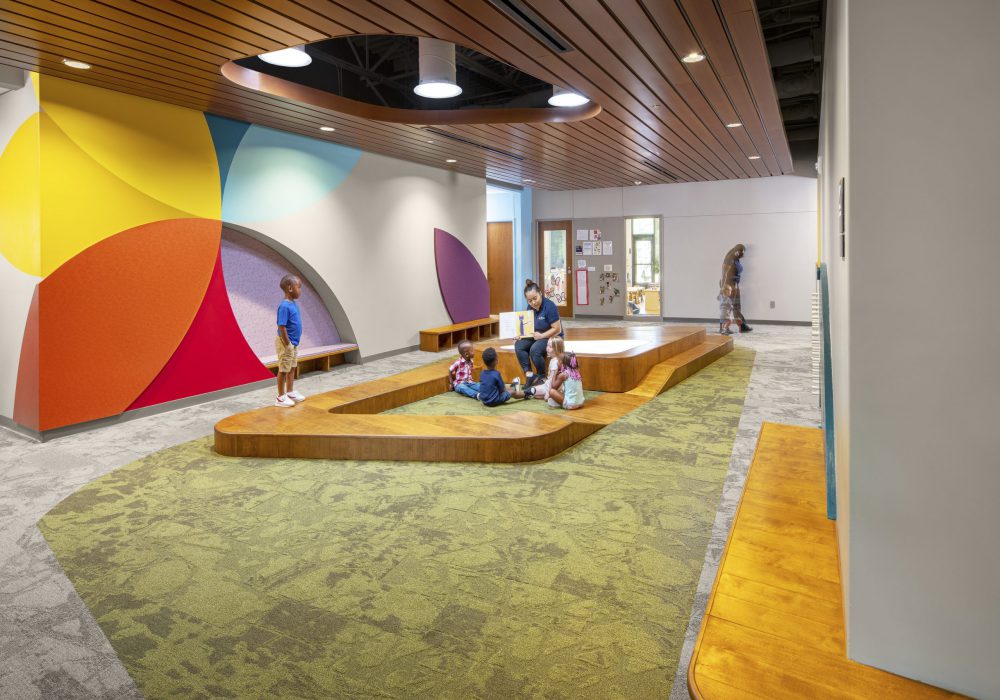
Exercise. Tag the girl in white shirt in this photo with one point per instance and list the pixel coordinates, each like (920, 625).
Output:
(554, 351)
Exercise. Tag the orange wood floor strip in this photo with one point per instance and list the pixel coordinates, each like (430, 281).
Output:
(347, 423)
(774, 625)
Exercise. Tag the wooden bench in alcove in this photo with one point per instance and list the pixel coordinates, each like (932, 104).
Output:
(447, 337)
(322, 357)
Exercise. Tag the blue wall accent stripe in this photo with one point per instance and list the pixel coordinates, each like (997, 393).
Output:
(828, 428)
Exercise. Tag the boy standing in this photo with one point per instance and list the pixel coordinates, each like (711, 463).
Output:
(287, 342)
(460, 372)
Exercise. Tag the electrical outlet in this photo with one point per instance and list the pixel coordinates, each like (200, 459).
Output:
(772, 304)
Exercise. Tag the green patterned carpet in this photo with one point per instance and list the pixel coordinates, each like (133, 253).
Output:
(569, 578)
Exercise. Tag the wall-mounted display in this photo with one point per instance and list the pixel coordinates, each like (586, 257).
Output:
(582, 289)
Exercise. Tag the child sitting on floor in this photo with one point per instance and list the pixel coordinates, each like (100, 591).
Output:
(492, 389)
(567, 388)
(554, 351)
(460, 372)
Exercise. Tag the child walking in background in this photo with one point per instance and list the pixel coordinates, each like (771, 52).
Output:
(554, 351)
(287, 343)
(492, 389)
(567, 388)
(460, 372)
(725, 299)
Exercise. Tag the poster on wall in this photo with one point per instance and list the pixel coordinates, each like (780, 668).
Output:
(588, 248)
(607, 247)
(595, 234)
(583, 234)
(582, 291)
(581, 263)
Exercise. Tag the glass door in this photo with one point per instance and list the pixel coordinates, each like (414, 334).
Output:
(642, 266)
(554, 257)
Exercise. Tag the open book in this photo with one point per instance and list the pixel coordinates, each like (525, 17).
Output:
(517, 324)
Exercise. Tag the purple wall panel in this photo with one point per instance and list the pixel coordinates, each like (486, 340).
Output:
(252, 271)
(464, 288)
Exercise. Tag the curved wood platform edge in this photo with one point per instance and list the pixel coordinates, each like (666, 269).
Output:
(774, 625)
(348, 424)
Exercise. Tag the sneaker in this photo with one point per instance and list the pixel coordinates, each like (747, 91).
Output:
(532, 380)
(515, 383)
(529, 392)
(725, 332)
(295, 396)
(284, 401)
(745, 328)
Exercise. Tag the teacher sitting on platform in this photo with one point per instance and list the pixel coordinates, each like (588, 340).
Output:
(531, 351)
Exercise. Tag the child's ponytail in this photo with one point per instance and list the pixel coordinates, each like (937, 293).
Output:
(571, 364)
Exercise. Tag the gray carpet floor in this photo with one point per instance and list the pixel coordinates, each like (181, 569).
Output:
(50, 645)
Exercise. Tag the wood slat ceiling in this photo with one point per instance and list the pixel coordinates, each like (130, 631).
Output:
(659, 114)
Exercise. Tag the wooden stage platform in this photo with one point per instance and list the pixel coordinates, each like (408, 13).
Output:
(348, 423)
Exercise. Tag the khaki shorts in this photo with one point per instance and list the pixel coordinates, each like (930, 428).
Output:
(287, 355)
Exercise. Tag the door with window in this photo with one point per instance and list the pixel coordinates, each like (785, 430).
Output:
(555, 257)
(642, 240)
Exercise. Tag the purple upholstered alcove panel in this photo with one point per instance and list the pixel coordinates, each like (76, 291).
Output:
(252, 272)
(464, 288)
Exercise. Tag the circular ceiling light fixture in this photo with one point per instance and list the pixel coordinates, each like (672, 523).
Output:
(327, 128)
(561, 97)
(694, 57)
(73, 63)
(294, 57)
(636, 182)
(437, 70)
(734, 125)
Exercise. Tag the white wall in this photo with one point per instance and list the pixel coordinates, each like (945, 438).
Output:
(774, 217)
(372, 240)
(922, 381)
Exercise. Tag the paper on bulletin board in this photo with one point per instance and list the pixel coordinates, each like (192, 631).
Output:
(595, 234)
(608, 268)
(592, 269)
(581, 263)
(517, 324)
(588, 248)
(607, 247)
(583, 234)
(582, 289)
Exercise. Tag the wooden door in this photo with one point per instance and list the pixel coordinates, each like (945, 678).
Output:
(555, 258)
(500, 265)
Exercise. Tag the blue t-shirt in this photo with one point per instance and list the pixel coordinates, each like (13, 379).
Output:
(492, 390)
(546, 316)
(288, 316)
(739, 271)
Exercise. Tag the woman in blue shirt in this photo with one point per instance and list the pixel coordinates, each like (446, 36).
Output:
(531, 351)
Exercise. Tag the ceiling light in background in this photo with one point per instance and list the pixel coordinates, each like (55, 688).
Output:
(294, 57)
(754, 157)
(451, 160)
(327, 128)
(636, 182)
(694, 57)
(437, 70)
(73, 63)
(561, 97)
(527, 180)
(733, 125)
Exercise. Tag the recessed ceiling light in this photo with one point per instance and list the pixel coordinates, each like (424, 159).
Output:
(754, 157)
(294, 57)
(636, 182)
(429, 141)
(438, 90)
(694, 57)
(451, 160)
(527, 180)
(327, 128)
(73, 63)
(561, 97)
(733, 125)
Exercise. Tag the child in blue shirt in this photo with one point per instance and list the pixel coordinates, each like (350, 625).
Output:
(286, 344)
(492, 389)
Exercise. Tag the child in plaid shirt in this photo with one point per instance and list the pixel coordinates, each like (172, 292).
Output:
(460, 372)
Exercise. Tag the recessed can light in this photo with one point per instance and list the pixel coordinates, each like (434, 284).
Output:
(451, 160)
(429, 141)
(636, 182)
(294, 57)
(694, 57)
(73, 63)
(327, 128)
(733, 125)
(754, 157)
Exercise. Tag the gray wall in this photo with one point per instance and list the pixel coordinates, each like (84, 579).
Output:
(612, 229)
(775, 217)
(920, 475)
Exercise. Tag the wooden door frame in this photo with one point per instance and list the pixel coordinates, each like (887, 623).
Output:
(541, 225)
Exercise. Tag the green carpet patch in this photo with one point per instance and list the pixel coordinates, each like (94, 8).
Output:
(568, 578)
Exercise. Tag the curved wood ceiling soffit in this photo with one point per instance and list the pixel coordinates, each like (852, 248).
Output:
(661, 120)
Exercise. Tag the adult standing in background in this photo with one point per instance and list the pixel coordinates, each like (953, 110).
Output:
(729, 285)
(531, 351)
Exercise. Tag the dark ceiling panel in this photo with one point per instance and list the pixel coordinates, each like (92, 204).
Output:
(662, 120)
